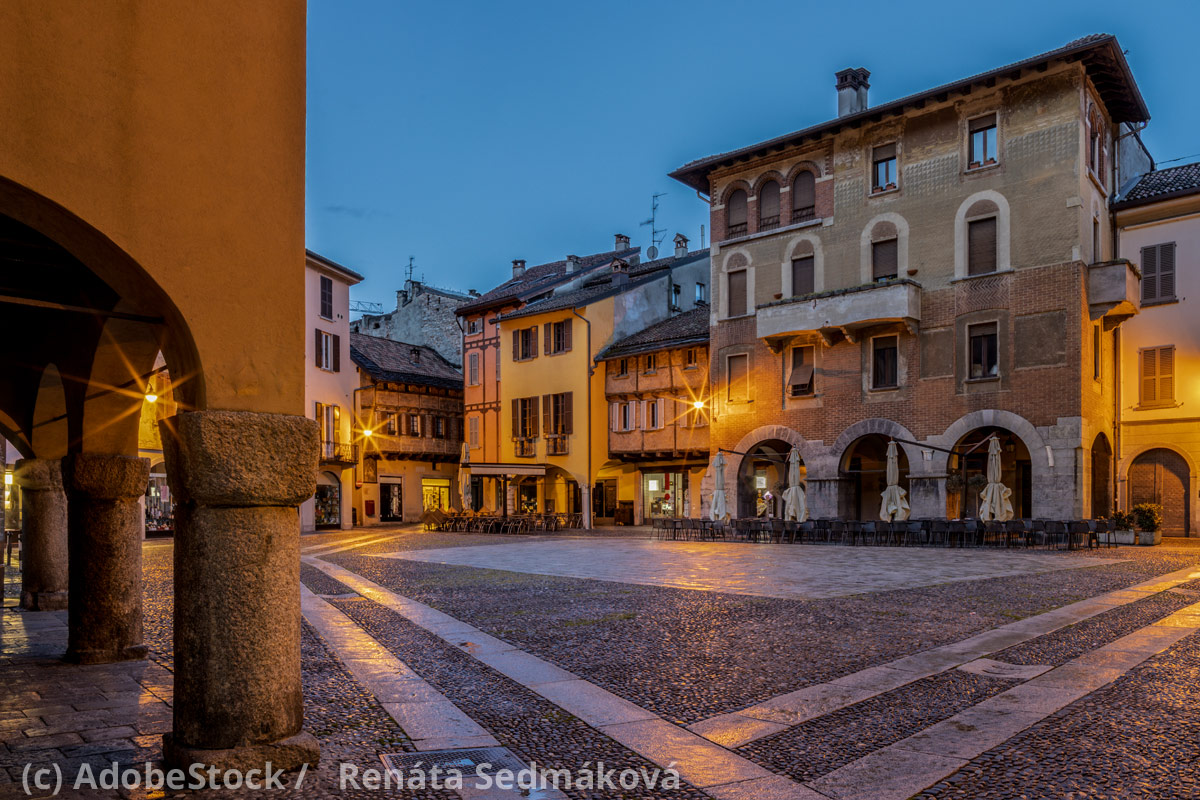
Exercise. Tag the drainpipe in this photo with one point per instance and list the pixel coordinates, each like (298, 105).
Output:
(587, 507)
(1116, 448)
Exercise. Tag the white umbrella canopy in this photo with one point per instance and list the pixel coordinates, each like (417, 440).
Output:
(718, 509)
(996, 500)
(464, 477)
(795, 506)
(895, 499)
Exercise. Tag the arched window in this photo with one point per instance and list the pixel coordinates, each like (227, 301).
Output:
(735, 214)
(981, 237)
(1097, 143)
(804, 197)
(768, 206)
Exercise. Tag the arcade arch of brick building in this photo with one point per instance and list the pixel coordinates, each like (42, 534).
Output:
(130, 229)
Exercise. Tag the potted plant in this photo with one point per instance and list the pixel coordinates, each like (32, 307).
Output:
(1125, 524)
(1148, 517)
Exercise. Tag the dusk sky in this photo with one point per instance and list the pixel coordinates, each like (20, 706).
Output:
(469, 134)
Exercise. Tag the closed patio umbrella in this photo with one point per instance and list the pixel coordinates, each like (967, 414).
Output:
(464, 477)
(795, 506)
(718, 509)
(996, 500)
(895, 500)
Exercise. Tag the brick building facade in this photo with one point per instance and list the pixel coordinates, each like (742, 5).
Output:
(935, 270)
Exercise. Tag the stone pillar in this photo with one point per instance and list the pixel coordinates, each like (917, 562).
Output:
(237, 479)
(44, 571)
(823, 498)
(104, 525)
(927, 496)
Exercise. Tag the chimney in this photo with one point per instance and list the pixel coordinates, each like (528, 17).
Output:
(620, 272)
(852, 91)
(572, 264)
(518, 267)
(622, 242)
(681, 243)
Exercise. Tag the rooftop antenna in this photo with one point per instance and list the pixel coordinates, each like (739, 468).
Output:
(656, 235)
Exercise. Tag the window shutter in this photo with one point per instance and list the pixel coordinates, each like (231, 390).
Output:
(533, 332)
(516, 418)
(661, 405)
(737, 293)
(682, 420)
(1166, 271)
(516, 345)
(612, 416)
(548, 413)
(884, 258)
(548, 337)
(533, 417)
(735, 213)
(1149, 274)
(569, 411)
(885, 151)
(982, 123)
(567, 326)
(803, 280)
(981, 246)
(1166, 374)
(768, 200)
(804, 191)
(336, 433)
(1149, 376)
(317, 349)
(337, 353)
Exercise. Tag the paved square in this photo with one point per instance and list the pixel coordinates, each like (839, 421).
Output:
(764, 570)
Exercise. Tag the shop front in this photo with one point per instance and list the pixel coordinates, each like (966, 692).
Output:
(664, 494)
(160, 511)
(327, 505)
(435, 493)
(391, 500)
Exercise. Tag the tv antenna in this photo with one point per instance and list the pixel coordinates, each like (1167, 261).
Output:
(656, 235)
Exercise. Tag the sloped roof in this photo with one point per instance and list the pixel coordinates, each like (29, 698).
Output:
(1099, 52)
(1161, 184)
(603, 286)
(540, 278)
(401, 362)
(348, 274)
(690, 327)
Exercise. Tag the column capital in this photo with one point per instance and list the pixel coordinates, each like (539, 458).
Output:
(38, 474)
(106, 476)
(240, 458)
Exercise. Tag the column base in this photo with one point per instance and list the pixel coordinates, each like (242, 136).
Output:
(136, 652)
(286, 754)
(43, 601)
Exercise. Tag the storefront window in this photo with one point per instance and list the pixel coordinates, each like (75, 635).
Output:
(435, 493)
(160, 511)
(664, 494)
(327, 505)
(528, 499)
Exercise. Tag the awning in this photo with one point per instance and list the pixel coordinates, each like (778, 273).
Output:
(801, 377)
(506, 469)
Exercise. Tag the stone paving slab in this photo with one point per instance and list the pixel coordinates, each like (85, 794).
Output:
(590, 703)
(777, 788)
(699, 761)
(1001, 669)
(887, 774)
(766, 570)
(971, 732)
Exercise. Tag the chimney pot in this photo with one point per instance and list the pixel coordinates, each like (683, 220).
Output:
(518, 267)
(572, 263)
(622, 242)
(852, 89)
(681, 245)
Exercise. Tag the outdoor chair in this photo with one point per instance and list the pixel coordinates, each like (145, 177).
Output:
(869, 532)
(851, 532)
(939, 532)
(1079, 535)
(1016, 533)
(916, 532)
(776, 531)
(993, 534)
(1110, 532)
(1056, 534)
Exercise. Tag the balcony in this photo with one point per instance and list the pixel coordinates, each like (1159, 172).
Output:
(843, 311)
(1114, 292)
(768, 223)
(525, 448)
(805, 214)
(735, 230)
(339, 453)
(557, 445)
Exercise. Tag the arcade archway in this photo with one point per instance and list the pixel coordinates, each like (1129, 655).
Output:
(863, 473)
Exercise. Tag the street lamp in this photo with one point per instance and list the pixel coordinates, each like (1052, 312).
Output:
(699, 404)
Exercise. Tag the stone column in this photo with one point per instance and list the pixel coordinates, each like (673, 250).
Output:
(927, 496)
(44, 572)
(237, 479)
(823, 497)
(104, 525)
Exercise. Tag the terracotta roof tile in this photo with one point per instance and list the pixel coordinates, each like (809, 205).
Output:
(400, 362)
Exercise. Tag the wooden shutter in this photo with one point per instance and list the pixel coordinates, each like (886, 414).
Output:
(516, 419)
(800, 380)
(1166, 374)
(884, 257)
(682, 420)
(613, 411)
(737, 293)
(533, 417)
(533, 332)
(803, 280)
(337, 353)
(548, 337)
(738, 369)
(516, 345)
(548, 413)
(568, 412)
(568, 324)
(318, 349)
(336, 433)
(981, 246)
(1166, 271)
(1149, 376)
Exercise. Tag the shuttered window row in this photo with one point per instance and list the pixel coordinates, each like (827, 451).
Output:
(1157, 376)
(1158, 273)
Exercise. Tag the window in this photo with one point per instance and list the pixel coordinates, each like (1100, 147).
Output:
(474, 325)
(622, 367)
(328, 351)
(1095, 240)
(701, 294)
(804, 197)
(676, 291)
(884, 366)
(558, 336)
(329, 419)
(738, 369)
(623, 417)
(737, 293)
(1097, 351)
(768, 206)
(439, 427)
(689, 358)
(651, 363)
(326, 297)
(981, 246)
(525, 344)
(1097, 143)
(414, 424)
(1158, 376)
(525, 417)
(983, 343)
(982, 144)
(473, 369)
(803, 280)
(1158, 273)
(883, 168)
(390, 427)
(800, 377)
(884, 259)
(735, 214)
(557, 413)
(653, 415)
(473, 432)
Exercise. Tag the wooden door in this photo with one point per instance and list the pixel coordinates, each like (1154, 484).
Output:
(1161, 476)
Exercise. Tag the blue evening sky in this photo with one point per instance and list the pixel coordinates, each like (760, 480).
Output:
(467, 134)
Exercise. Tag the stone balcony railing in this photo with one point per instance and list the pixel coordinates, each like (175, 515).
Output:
(842, 311)
(1114, 291)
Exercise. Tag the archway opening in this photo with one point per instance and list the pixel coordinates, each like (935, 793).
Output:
(967, 472)
(1102, 489)
(327, 502)
(762, 479)
(863, 473)
(1161, 476)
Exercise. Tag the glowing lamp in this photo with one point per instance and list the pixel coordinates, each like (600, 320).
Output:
(699, 404)
(151, 397)
(366, 432)
(8, 479)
